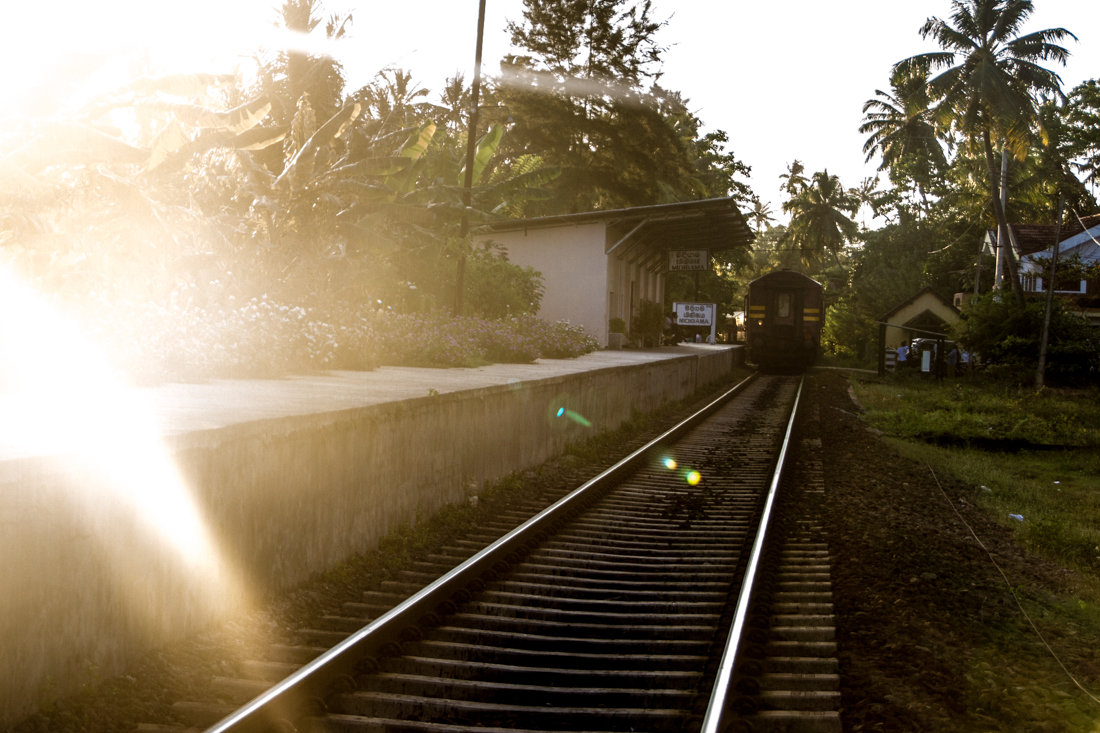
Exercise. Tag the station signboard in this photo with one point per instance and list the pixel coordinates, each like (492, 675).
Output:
(687, 260)
(694, 314)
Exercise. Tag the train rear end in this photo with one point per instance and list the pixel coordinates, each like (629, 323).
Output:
(784, 312)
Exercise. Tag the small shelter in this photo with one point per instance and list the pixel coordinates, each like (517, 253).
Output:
(600, 265)
(924, 314)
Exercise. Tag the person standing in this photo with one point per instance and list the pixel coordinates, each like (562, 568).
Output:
(903, 356)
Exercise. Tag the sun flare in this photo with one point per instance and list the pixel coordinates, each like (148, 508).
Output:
(60, 398)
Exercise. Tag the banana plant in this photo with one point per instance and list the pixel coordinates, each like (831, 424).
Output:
(170, 132)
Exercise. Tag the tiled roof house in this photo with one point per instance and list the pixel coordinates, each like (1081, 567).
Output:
(1035, 242)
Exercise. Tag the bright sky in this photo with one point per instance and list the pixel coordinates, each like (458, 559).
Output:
(785, 79)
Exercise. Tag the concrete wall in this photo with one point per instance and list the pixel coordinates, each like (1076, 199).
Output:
(88, 587)
(574, 269)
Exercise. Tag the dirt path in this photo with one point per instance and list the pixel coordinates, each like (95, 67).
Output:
(920, 606)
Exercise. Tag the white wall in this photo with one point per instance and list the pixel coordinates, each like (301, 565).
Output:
(574, 271)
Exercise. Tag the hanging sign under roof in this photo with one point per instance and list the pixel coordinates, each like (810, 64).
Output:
(686, 260)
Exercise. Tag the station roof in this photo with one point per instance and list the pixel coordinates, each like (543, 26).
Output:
(647, 233)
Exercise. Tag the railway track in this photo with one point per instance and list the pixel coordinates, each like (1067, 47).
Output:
(625, 606)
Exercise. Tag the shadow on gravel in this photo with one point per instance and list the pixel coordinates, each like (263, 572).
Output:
(991, 445)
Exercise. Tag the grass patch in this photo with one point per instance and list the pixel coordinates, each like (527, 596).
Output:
(846, 361)
(1061, 520)
(907, 406)
(1057, 492)
(1014, 684)
(1012, 681)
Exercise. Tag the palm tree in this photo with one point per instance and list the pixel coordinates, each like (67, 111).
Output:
(1055, 160)
(1083, 115)
(902, 130)
(761, 214)
(867, 194)
(794, 181)
(993, 91)
(820, 218)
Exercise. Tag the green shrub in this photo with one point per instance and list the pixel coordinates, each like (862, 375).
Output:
(497, 288)
(1007, 339)
(649, 323)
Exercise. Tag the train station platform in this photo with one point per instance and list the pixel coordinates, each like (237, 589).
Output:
(179, 409)
(145, 515)
(183, 408)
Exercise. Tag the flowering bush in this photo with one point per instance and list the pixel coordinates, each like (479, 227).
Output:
(556, 340)
(187, 341)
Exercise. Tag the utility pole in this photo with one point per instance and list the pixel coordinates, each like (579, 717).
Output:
(1002, 235)
(468, 183)
(1040, 371)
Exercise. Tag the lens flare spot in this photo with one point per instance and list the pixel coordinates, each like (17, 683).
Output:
(693, 477)
(670, 464)
(561, 411)
(577, 418)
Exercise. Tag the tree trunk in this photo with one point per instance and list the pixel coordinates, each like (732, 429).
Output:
(1006, 247)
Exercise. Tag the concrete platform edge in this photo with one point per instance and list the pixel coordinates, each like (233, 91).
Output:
(89, 587)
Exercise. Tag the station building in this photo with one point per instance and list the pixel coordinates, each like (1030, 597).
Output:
(600, 265)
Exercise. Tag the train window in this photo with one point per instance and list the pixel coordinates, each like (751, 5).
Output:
(783, 305)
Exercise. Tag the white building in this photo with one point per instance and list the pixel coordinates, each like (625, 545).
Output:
(1083, 244)
(600, 265)
(1035, 242)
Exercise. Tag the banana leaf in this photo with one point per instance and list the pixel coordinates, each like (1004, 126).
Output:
(67, 143)
(257, 138)
(403, 134)
(13, 180)
(167, 141)
(532, 179)
(404, 181)
(419, 142)
(237, 119)
(372, 190)
(178, 85)
(372, 167)
(301, 167)
(486, 149)
(367, 212)
(456, 209)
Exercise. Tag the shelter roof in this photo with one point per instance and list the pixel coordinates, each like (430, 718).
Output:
(649, 232)
(914, 298)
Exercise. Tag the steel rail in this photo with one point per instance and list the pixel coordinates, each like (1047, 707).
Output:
(718, 712)
(298, 695)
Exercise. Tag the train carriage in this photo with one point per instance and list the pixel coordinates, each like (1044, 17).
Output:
(784, 312)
